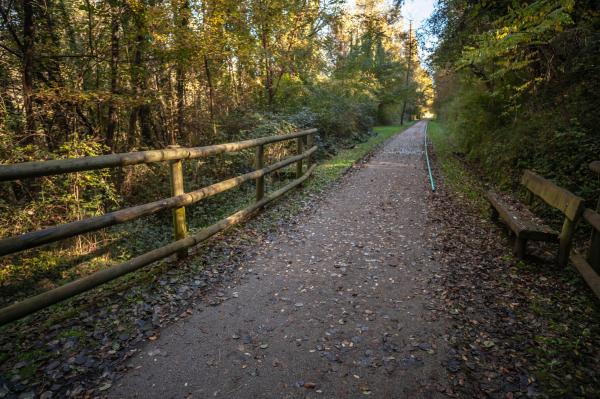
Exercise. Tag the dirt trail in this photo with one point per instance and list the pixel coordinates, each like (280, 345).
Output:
(337, 306)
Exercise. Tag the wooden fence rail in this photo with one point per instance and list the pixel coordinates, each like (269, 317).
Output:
(589, 265)
(177, 202)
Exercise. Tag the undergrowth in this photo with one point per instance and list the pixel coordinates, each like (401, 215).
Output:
(563, 349)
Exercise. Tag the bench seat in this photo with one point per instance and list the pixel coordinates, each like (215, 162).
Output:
(521, 221)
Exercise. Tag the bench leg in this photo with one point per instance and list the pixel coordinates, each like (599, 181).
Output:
(494, 214)
(566, 236)
(520, 247)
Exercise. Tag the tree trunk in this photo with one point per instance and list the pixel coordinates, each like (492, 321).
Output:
(111, 125)
(211, 95)
(180, 107)
(268, 67)
(27, 78)
(138, 77)
(180, 76)
(408, 66)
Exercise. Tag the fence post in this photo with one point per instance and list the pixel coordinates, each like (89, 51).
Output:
(260, 181)
(310, 140)
(300, 145)
(593, 256)
(179, 223)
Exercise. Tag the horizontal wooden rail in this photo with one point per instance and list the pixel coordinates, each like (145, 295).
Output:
(59, 166)
(589, 266)
(33, 304)
(177, 203)
(587, 272)
(60, 232)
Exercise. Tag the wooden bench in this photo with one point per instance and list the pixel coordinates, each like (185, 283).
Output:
(524, 224)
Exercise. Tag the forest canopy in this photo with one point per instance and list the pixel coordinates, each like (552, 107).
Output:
(138, 74)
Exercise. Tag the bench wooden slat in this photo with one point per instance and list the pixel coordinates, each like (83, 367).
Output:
(557, 197)
(524, 229)
(586, 271)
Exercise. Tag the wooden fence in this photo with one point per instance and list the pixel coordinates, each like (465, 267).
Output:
(177, 202)
(589, 264)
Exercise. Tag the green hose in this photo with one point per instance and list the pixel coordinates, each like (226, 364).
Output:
(427, 158)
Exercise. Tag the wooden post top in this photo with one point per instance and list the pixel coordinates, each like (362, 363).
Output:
(595, 166)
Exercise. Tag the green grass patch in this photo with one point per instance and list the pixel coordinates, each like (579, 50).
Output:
(455, 173)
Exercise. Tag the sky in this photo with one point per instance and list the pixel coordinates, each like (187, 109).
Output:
(417, 10)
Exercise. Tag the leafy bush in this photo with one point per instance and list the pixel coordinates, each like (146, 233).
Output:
(55, 199)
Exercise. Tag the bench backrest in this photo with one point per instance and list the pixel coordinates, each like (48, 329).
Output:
(559, 198)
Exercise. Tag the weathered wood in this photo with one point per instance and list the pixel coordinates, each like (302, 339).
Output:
(595, 167)
(33, 304)
(53, 167)
(589, 275)
(300, 149)
(593, 255)
(260, 181)
(569, 204)
(56, 233)
(179, 222)
(593, 218)
(524, 229)
(310, 141)
(557, 197)
(565, 241)
(520, 247)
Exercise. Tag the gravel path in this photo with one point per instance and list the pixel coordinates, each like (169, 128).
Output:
(337, 306)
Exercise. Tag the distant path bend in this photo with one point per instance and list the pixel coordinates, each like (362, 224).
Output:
(339, 305)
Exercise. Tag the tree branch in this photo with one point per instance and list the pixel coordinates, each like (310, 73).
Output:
(10, 28)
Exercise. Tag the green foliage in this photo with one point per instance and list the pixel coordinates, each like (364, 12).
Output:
(453, 169)
(344, 108)
(517, 90)
(56, 199)
(505, 51)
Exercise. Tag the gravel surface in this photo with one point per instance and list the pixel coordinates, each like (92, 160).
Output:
(338, 305)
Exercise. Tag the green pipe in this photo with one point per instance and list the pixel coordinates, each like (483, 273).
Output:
(427, 158)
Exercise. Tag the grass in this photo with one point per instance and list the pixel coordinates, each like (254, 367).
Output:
(454, 171)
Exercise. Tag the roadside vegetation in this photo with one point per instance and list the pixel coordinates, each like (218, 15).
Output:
(121, 76)
(516, 88)
(542, 337)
